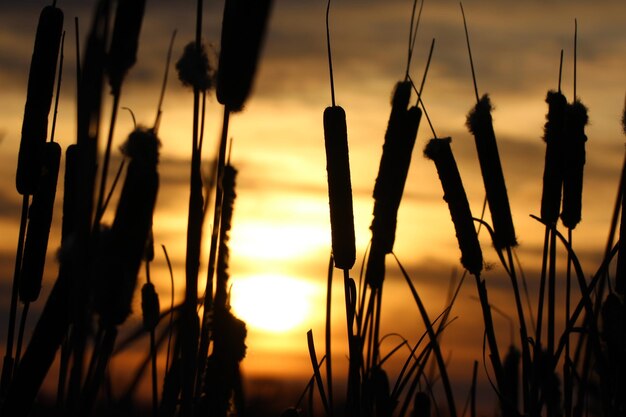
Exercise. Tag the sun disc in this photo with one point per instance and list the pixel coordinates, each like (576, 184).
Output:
(272, 303)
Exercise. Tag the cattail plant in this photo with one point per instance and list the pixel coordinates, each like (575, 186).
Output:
(574, 160)
(394, 166)
(38, 99)
(339, 187)
(194, 69)
(40, 220)
(439, 151)
(124, 41)
(553, 168)
(480, 124)
(243, 30)
(124, 245)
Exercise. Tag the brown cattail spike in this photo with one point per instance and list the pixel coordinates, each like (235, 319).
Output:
(150, 306)
(574, 154)
(480, 125)
(124, 41)
(38, 99)
(454, 194)
(394, 165)
(122, 248)
(553, 168)
(228, 203)
(40, 220)
(243, 30)
(392, 172)
(339, 187)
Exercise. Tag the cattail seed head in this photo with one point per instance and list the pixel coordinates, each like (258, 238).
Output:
(574, 161)
(243, 30)
(38, 99)
(439, 151)
(195, 69)
(40, 220)
(480, 124)
(228, 204)
(553, 167)
(124, 41)
(339, 187)
(394, 167)
(123, 247)
(150, 306)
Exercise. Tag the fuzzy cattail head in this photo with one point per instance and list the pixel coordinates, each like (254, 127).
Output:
(439, 151)
(38, 99)
(574, 161)
(125, 40)
(553, 167)
(243, 31)
(339, 187)
(480, 124)
(195, 69)
(142, 146)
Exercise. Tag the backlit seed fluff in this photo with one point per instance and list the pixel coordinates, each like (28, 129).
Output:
(194, 68)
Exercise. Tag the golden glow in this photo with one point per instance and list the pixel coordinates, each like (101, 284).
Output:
(274, 241)
(273, 303)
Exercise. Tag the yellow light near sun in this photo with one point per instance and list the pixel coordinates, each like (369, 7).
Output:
(273, 303)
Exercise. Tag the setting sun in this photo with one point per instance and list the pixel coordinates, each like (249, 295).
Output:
(273, 303)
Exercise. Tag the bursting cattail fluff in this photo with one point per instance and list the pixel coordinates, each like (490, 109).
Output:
(124, 41)
(339, 187)
(194, 68)
(122, 248)
(480, 124)
(439, 151)
(553, 168)
(38, 99)
(243, 30)
(574, 154)
(40, 220)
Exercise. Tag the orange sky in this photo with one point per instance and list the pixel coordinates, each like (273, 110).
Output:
(281, 226)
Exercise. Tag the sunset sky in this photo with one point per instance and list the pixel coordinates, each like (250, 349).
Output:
(280, 242)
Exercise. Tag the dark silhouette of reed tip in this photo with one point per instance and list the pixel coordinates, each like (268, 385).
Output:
(195, 69)
(401, 95)
(577, 114)
(479, 113)
(557, 103)
(142, 145)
